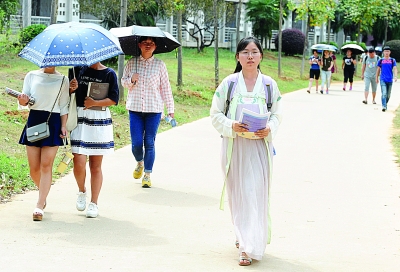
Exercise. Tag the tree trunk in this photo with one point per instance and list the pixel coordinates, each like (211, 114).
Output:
(121, 58)
(359, 32)
(239, 13)
(179, 77)
(216, 66)
(53, 12)
(280, 38)
(305, 47)
(386, 30)
(329, 31)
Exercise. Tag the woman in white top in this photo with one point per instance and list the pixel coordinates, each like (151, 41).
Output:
(247, 162)
(49, 88)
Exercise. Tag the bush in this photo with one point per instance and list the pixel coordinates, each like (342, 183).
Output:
(30, 32)
(292, 41)
(332, 43)
(394, 49)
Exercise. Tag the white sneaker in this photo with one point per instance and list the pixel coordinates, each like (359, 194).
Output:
(92, 210)
(81, 202)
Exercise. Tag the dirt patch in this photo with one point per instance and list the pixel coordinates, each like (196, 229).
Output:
(16, 113)
(284, 78)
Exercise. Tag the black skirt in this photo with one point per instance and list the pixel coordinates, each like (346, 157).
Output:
(37, 117)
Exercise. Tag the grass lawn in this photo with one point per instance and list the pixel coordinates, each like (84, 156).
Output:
(191, 103)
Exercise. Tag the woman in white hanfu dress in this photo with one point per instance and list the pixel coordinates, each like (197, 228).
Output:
(247, 163)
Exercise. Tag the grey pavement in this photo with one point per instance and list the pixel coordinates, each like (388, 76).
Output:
(335, 201)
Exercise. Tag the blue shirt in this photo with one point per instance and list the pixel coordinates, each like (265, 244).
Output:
(314, 66)
(387, 69)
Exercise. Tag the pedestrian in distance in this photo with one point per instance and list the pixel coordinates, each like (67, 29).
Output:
(50, 90)
(314, 61)
(334, 67)
(385, 74)
(327, 64)
(348, 67)
(93, 137)
(368, 74)
(149, 89)
(247, 162)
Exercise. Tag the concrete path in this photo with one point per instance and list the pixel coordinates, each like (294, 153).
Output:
(335, 201)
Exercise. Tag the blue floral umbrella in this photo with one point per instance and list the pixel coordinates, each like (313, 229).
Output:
(71, 44)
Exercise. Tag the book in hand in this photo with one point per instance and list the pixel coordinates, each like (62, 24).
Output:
(98, 91)
(254, 121)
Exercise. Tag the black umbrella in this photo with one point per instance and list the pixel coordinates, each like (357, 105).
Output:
(129, 38)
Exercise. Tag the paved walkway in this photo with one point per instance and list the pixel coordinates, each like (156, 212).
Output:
(335, 201)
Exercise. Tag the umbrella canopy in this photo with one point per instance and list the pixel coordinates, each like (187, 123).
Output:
(321, 47)
(129, 38)
(355, 48)
(71, 44)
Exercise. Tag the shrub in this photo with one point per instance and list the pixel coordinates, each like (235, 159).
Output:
(30, 32)
(292, 41)
(394, 49)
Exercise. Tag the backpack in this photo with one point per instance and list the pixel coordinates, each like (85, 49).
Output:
(233, 79)
(377, 59)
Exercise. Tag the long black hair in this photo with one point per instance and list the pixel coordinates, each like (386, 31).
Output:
(242, 45)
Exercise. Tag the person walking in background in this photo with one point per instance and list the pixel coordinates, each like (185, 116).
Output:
(149, 89)
(348, 65)
(334, 67)
(327, 64)
(368, 74)
(385, 73)
(94, 135)
(50, 90)
(249, 160)
(314, 70)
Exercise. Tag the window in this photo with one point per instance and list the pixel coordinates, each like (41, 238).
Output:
(63, 5)
(60, 5)
(73, 5)
(60, 12)
(63, 12)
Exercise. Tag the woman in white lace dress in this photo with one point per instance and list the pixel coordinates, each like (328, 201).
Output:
(247, 162)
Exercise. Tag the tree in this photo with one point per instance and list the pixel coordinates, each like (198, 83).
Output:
(200, 13)
(315, 13)
(121, 58)
(264, 14)
(138, 12)
(53, 12)
(364, 13)
(7, 8)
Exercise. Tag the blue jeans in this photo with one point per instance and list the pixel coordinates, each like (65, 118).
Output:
(386, 89)
(143, 127)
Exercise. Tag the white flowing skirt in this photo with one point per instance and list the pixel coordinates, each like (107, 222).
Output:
(247, 188)
(94, 133)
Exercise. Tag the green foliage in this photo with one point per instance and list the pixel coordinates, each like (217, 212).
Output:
(331, 43)
(14, 176)
(394, 49)
(360, 44)
(292, 41)
(7, 8)
(318, 11)
(30, 32)
(264, 15)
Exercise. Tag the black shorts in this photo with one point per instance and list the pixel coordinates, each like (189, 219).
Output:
(314, 73)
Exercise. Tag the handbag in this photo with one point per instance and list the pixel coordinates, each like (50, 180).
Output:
(72, 120)
(41, 131)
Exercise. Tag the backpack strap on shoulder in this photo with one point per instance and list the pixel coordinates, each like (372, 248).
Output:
(233, 79)
(268, 92)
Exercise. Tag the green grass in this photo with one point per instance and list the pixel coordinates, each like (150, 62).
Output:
(396, 134)
(191, 103)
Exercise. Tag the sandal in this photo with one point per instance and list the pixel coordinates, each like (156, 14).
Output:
(237, 244)
(244, 260)
(37, 214)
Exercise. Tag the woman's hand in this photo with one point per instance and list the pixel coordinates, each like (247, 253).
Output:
(135, 78)
(239, 127)
(23, 99)
(171, 115)
(89, 102)
(73, 85)
(262, 133)
(63, 133)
